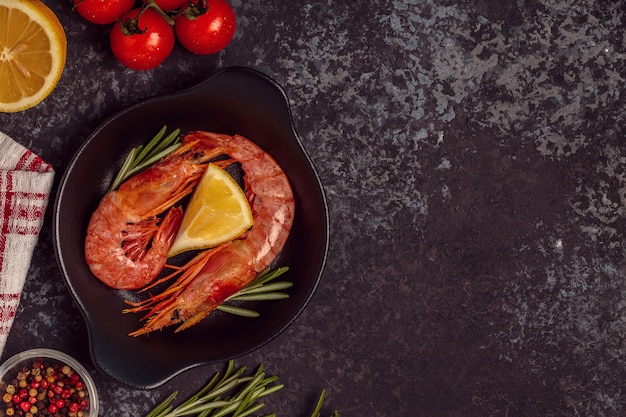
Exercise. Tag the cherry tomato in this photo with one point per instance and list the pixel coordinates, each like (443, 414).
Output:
(142, 51)
(169, 5)
(102, 12)
(209, 32)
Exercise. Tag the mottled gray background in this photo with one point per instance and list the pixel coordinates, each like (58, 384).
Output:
(473, 157)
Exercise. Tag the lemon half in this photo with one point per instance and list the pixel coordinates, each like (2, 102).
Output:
(217, 212)
(33, 48)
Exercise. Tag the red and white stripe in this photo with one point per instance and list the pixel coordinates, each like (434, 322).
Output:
(25, 184)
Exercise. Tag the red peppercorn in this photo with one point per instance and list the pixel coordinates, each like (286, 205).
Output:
(58, 389)
(52, 408)
(16, 398)
(74, 407)
(25, 405)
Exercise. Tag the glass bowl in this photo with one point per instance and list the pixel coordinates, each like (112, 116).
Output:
(43, 377)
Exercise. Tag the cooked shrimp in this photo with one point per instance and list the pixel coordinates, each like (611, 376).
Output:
(126, 245)
(220, 272)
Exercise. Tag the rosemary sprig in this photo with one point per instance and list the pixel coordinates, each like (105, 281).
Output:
(143, 156)
(234, 394)
(258, 290)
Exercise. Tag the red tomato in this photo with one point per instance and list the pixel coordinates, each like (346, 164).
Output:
(143, 51)
(169, 5)
(102, 12)
(209, 32)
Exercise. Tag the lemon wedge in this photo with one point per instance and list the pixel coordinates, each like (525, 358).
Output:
(33, 48)
(217, 212)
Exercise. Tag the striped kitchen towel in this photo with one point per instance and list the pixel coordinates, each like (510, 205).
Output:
(25, 184)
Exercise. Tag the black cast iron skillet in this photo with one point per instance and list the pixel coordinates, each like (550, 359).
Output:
(234, 100)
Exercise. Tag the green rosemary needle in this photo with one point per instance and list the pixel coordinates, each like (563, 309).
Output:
(318, 406)
(258, 290)
(143, 156)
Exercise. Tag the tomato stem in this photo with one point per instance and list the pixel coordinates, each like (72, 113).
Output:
(195, 9)
(151, 3)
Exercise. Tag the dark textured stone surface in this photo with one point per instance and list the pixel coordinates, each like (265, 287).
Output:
(474, 161)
